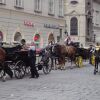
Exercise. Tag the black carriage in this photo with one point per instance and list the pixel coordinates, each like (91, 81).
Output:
(18, 61)
(81, 55)
(23, 64)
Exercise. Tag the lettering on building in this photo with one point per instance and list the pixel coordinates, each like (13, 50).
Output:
(28, 23)
(51, 26)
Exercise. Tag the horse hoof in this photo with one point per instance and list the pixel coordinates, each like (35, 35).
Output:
(4, 79)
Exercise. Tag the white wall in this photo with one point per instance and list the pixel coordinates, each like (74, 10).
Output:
(96, 20)
(12, 20)
(77, 11)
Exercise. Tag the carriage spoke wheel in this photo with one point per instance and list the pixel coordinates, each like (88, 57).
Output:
(47, 67)
(93, 60)
(79, 61)
(20, 70)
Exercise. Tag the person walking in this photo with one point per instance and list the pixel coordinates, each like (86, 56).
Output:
(32, 59)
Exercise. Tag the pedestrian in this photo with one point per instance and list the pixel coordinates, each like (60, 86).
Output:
(32, 60)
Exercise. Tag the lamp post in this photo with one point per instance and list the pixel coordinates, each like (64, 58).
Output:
(94, 38)
(66, 33)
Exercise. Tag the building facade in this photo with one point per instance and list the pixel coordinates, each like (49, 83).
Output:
(33, 20)
(96, 20)
(83, 20)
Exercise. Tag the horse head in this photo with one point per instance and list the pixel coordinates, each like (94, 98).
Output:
(55, 49)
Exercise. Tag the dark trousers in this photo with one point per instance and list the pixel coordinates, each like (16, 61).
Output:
(97, 59)
(34, 72)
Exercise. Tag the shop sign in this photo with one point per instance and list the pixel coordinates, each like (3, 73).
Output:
(51, 26)
(28, 23)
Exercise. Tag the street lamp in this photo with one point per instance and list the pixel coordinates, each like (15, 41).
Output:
(66, 33)
(94, 38)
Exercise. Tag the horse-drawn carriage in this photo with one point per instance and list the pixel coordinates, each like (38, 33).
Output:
(16, 62)
(81, 55)
(70, 53)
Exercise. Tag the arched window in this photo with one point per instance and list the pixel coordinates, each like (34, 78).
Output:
(74, 26)
(18, 36)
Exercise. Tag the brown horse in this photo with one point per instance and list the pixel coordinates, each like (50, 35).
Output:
(62, 51)
(3, 66)
(2, 55)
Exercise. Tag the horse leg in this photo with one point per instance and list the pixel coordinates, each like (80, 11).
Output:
(8, 70)
(63, 63)
(72, 59)
(96, 66)
(4, 73)
(52, 62)
(55, 63)
(60, 63)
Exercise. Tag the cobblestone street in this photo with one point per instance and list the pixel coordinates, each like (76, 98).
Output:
(70, 84)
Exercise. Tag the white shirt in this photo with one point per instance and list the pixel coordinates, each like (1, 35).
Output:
(32, 48)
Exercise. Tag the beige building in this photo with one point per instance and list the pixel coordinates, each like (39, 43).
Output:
(32, 20)
(83, 20)
(36, 20)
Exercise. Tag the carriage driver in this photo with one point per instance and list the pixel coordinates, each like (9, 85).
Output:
(32, 59)
(23, 44)
(68, 41)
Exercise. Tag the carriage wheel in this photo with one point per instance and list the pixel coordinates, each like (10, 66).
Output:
(47, 68)
(20, 69)
(93, 60)
(79, 61)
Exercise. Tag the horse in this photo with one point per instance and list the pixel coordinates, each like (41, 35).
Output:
(3, 65)
(62, 51)
(7, 54)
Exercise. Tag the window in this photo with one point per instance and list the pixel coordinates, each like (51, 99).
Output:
(18, 36)
(97, 17)
(3, 2)
(74, 2)
(38, 5)
(74, 26)
(19, 3)
(61, 8)
(51, 7)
